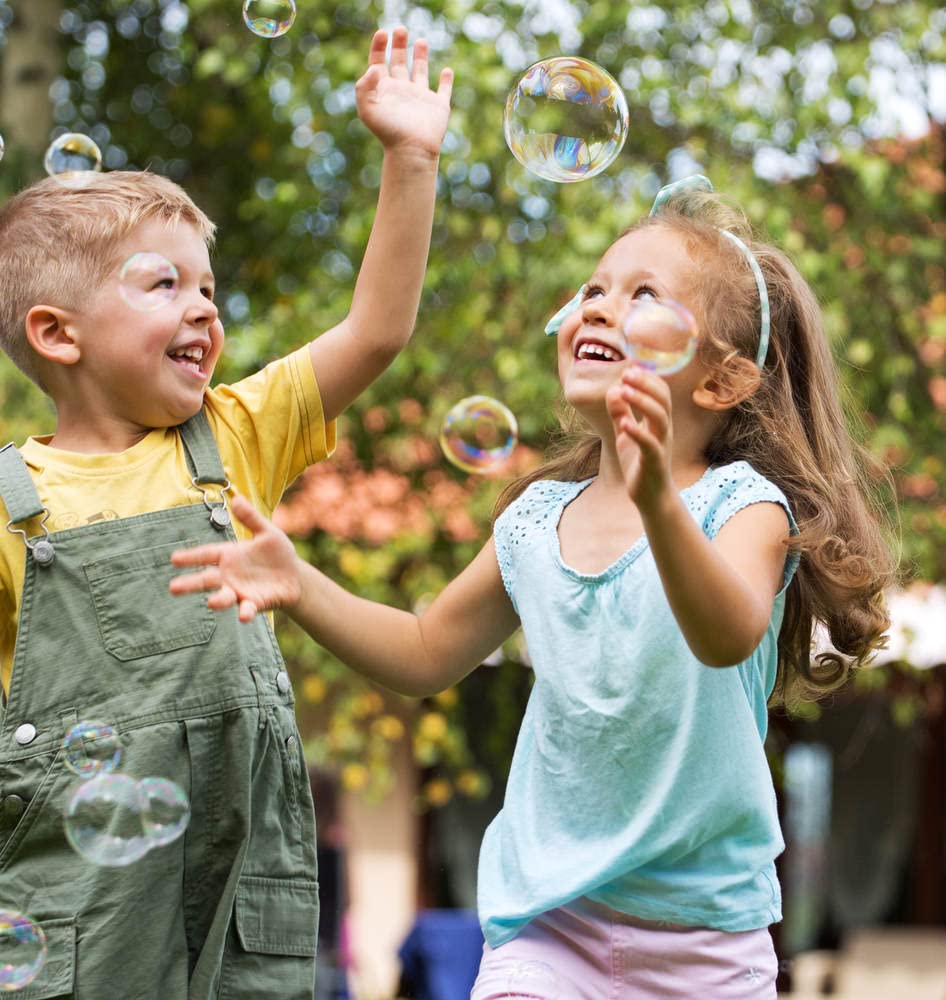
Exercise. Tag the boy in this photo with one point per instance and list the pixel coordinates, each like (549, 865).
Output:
(141, 461)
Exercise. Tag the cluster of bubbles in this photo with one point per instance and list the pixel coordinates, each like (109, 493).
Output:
(660, 335)
(478, 434)
(566, 119)
(111, 819)
(22, 950)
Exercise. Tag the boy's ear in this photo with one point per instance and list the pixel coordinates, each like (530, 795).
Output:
(724, 389)
(51, 333)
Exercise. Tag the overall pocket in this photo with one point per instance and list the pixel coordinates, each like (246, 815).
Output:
(27, 786)
(271, 946)
(136, 614)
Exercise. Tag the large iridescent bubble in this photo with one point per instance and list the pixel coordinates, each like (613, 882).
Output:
(566, 119)
(269, 18)
(103, 821)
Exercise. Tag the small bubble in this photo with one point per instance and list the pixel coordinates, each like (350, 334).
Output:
(269, 18)
(660, 335)
(73, 159)
(91, 748)
(148, 281)
(478, 434)
(165, 811)
(22, 950)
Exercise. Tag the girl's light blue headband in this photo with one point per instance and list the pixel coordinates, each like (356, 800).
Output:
(695, 182)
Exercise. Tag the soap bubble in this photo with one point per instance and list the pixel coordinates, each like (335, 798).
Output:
(2, 147)
(165, 811)
(148, 281)
(659, 335)
(22, 950)
(103, 821)
(478, 434)
(91, 748)
(533, 979)
(566, 119)
(73, 159)
(269, 18)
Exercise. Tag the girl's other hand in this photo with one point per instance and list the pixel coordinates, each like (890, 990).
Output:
(400, 108)
(258, 574)
(639, 407)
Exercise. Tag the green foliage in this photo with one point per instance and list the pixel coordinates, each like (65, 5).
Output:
(265, 137)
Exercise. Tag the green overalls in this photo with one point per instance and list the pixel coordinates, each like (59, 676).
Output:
(228, 910)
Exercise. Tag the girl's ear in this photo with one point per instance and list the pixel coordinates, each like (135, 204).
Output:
(725, 388)
(51, 334)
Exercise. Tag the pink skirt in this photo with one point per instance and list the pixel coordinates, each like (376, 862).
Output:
(587, 951)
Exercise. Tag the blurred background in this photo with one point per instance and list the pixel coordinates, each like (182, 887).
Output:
(824, 120)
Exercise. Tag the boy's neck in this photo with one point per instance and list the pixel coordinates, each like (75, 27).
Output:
(108, 440)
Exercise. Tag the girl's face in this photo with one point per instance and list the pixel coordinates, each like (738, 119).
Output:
(648, 263)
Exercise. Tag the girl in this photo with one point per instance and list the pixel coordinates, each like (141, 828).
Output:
(667, 574)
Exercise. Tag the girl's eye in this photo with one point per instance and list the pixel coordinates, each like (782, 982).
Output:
(591, 291)
(645, 292)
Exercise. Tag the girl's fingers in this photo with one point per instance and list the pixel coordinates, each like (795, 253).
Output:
(645, 440)
(368, 82)
(247, 610)
(649, 408)
(420, 67)
(248, 515)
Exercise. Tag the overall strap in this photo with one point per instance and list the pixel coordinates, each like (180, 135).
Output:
(201, 448)
(204, 458)
(17, 489)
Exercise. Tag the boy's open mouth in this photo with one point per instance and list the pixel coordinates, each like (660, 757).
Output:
(594, 350)
(188, 357)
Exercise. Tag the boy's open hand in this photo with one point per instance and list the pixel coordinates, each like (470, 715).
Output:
(639, 407)
(401, 109)
(258, 574)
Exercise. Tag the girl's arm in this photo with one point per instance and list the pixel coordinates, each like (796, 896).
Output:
(411, 655)
(721, 592)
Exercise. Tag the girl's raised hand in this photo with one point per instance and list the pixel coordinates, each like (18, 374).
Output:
(639, 407)
(399, 107)
(258, 574)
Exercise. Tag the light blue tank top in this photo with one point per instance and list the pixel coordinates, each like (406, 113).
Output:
(639, 777)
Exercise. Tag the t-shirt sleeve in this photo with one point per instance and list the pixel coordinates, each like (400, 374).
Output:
(739, 487)
(503, 530)
(270, 426)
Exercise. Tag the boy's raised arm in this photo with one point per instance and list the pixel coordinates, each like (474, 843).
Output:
(410, 119)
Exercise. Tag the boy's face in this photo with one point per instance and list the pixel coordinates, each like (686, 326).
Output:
(150, 369)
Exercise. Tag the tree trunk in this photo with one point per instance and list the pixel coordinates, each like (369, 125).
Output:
(29, 61)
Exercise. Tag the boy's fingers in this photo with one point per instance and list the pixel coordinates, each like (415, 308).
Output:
(222, 598)
(420, 68)
(445, 85)
(205, 579)
(399, 52)
(379, 45)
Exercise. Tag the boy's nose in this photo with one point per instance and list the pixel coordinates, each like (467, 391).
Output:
(203, 311)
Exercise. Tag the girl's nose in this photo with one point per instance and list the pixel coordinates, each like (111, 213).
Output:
(599, 310)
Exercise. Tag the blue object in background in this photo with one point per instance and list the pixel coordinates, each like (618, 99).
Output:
(441, 956)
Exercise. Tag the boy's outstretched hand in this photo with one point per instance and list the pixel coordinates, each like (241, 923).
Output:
(400, 108)
(258, 574)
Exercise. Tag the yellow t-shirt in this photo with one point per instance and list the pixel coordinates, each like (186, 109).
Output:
(268, 428)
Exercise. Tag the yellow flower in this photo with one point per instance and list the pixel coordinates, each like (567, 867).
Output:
(432, 726)
(354, 777)
(438, 792)
(447, 698)
(389, 727)
(313, 689)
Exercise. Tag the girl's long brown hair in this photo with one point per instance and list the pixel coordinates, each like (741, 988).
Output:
(793, 431)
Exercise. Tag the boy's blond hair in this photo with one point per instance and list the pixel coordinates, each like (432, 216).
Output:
(59, 243)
